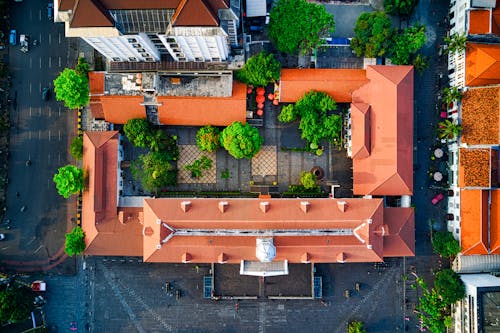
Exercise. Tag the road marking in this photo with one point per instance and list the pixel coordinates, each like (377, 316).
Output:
(40, 15)
(39, 134)
(39, 248)
(29, 156)
(31, 62)
(48, 158)
(31, 240)
(59, 38)
(30, 87)
(29, 134)
(59, 140)
(50, 39)
(49, 137)
(59, 111)
(40, 60)
(40, 86)
(59, 158)
(50, 62)
(50, 112)
(59, 61)
(48, 183)
(40, 111)
(30, 111)
(40, 39)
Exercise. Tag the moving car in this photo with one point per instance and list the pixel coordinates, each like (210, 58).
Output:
(50, 10)
(46, 94)
(2, 237)
(13, 37)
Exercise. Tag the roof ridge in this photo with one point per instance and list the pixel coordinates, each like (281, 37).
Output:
(395, 74)
(99, 138)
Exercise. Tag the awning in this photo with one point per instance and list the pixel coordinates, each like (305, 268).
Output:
(257, 268)
(256, 8)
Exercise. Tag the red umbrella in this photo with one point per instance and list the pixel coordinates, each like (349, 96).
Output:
(261, 91)
(260, 112)
(260, 106)
(270, 97)
(260, 99)
(249, 90)
(276, 102)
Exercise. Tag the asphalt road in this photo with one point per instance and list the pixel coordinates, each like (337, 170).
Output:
(40, 133)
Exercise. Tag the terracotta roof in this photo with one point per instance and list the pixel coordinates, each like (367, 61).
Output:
(96, 83)
(338, 83)
(388, 170)
(478, 167)
(96, 107)
(401, 225)
(480, 221)
(104, 233)
(89, 13)
(170, 229)
(479, 21)
(200, 111)
(495, 21)
(65, 5)
(360, 125)
(195, 13)
(143, 4)
(120, 109)
(482, 65)
(481, 116)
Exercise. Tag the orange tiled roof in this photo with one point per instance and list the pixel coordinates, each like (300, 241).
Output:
(481, 116)
(479, 21)
(104, 233)
(388, 170)
(495, 222)
(361, 135)
(204, 229)
(120, 109)
(401, 238)
(495, 22)
(478, 167)
(338, 83)
(96, 83)
(200, 111)
(482, 66)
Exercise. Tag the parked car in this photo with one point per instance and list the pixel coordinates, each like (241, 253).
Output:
(46, 93)
(2, 237)
(13, 37)
(50, 10)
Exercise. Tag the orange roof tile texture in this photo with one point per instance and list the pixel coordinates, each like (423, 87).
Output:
(481, 116)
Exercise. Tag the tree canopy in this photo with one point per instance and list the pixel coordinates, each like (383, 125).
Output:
(72, 88)
(296, 25)
(455, 43)
(449, 129)
(154, 171)
(260, 70)
(407, 44)
(308, 180)
(139, 132)
(399, 7)
(449, 286)
(444, 244)
(69, 180)
(208, 138)
(75, 242)
(16, 303)
(76, 148)
(241, 141)
(356, 327)
(373, 35)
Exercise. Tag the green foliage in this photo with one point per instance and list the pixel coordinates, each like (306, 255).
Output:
(296, 25)
(260, 70)
(164, 142)
(16, 303)
(308, 180)
(75, 242)
(76, 148)
(69, 180)
(139, 132)
(449, 286)
(208, 138)
(421, 63)
(455, 43)
(452, 94)
(82, 67)
(225, 174)
(72, 88)
(241, 141)
(432, 311)
(288, 114)
(444, 244)
(154, 171)
(356, 327)
(399, 7)
(203, 163)
(407, 43)
(373, 35)
(448, 129)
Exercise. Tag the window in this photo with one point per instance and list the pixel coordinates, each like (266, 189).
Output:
(132, 59)
(137, 46)
(150, 59)
(170, 40)
(117, 59)
(141, 50)
(131, 40)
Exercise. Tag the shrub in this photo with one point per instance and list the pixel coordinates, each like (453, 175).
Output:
(82, 67)
(241, 141)
(444, 244)
(208, 138)
(154, 171)
(139, 132)
(287, 114)
(76, 148)
(308, 180)
(203, 163)
(449, 286)
(356, 327)
(75, 242)
(260, 70)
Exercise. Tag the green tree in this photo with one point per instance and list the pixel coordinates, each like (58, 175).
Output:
(356, 327)
(432, 311)
(421, 63)
(451, 94)
(72, 88)
(296, 25)
(241, 141)
(288, 114)
(82, 67)
(260, 70)
(139, 132)
(455, 43)
(203, 163)
(308, 180)
(399, 7)
(75, 242)
(407, 43)
(208, 138)
(449, 286)
(373, 35)
(449, 129)
(16, 303)
(76, 148)
(444, 244)
(69, 180)
(159, 140)
(154, 171)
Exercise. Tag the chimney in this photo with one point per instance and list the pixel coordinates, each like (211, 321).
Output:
(186, 257)
(158, 246)
(341, 257)
(264, 206)
(305, 206)
(222, 258)
(305, 258)
(185, 205)
(369, 246)
(342, 206)
(223, 205)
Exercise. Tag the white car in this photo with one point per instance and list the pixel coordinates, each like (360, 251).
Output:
(2, 237)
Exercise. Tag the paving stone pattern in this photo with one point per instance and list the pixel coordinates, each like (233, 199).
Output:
(187, 155)
(264, 163)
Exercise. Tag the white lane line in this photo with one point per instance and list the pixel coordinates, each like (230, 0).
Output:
(59, 38)
(40, 247)
(59, 158)
(40, 62)
(30, 111)
(31, 240)
(49, 136)
(50, 112)
(39, 134)
(59, 136)
(29, 134)
(59, 61)
(40, 15)
(31, 62)
(29, 156)
(48, 183)
(50, 39)
(40, 38)
(40, 111)
(50, 62)
(48, 158)
(31, 15)
(40, 86)
(59, 111)
(30, 87)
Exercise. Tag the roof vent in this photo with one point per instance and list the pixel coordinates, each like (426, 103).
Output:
(264, 206)
(369, 246)
(185, 205)
(158, 221)
(305, 206)
(223, 205)
(148, 231)
(342, 206)
(341, 257)
(305, 258)
(369, 221)
(158, 246)
(186, 257)
(222, 258)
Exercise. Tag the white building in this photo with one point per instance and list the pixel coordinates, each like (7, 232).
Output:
(153, 30)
